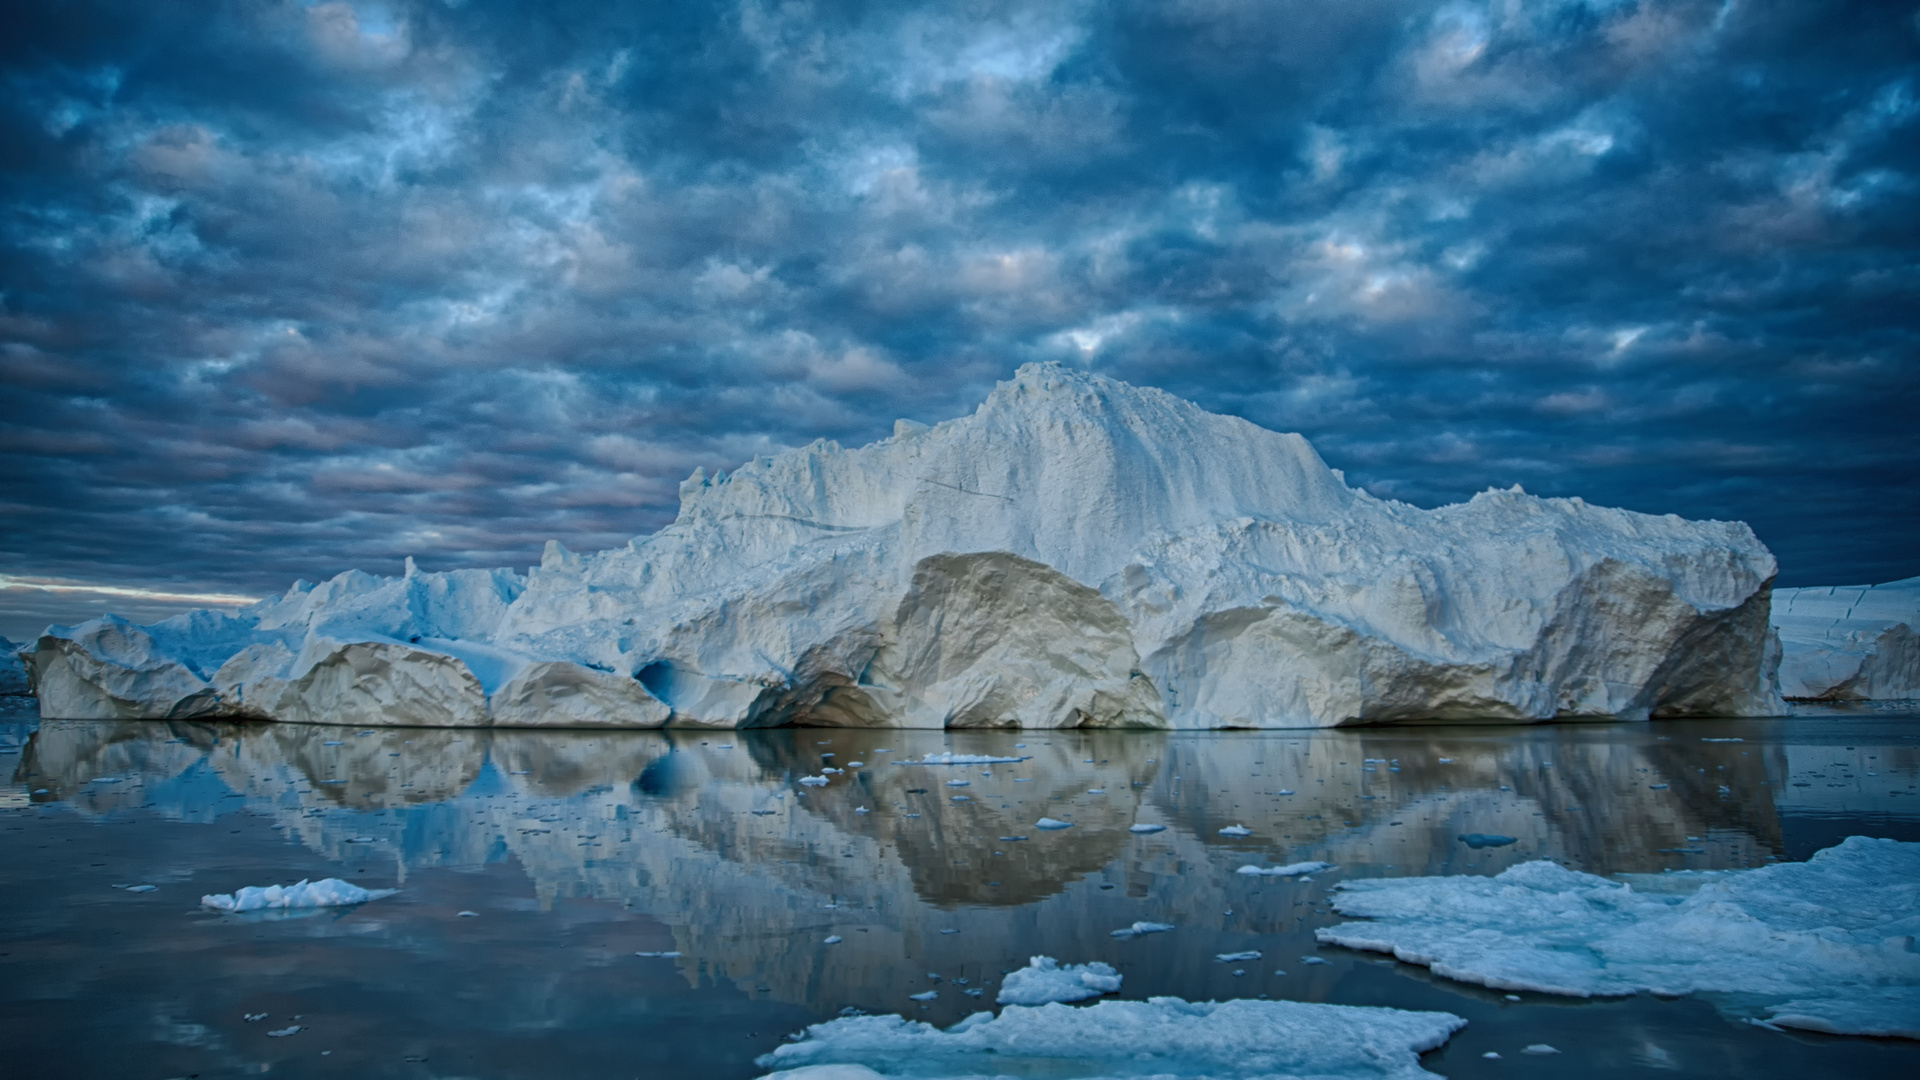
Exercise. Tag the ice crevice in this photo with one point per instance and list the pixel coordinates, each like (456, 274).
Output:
(1826, 945)
(1142, 563)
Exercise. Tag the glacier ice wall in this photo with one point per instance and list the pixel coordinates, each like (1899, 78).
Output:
(1077, 552)
(1850, 642)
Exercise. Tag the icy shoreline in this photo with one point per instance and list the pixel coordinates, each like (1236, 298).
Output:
(1077, 552)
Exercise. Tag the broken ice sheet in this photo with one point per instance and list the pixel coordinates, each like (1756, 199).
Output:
(1043, 980)
(327, 892)
(1829, 941)
(1161, 1037)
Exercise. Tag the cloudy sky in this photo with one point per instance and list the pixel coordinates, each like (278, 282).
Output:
(288, 288)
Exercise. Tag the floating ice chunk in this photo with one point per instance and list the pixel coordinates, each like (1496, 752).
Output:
(466, 914)
(1723, 740)
(1049, 823)
(959, 783)
(861, 810)
(1163, 1036)
(669, 955)
(1311, 960)
(814, 781)
(1539, 1048)
(1043, 980)
(1140, 928)
(1478, 840)
(1144, 827)
(1491, 1055)
(927, 996)
(1237, 957)
(856, 764)
(962, 759)
(1283, 791)
(1830, 938)
(327, 892)
(1446, 761)
(833, 939)
(1236, 830)
(1289, 870)
(282, 1033)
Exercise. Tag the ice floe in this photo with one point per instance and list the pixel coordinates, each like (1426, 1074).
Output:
(1077, 552)
(327, 892)
(1828, 943)
(1159, 1037)
(1236, 830)
(963, 759)
(1146, 828)
(1043, 980)
(1289, 870)
(1050, 823)
(1140, 929)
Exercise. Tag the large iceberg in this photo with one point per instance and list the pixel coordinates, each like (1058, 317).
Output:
(1827, 944)
(1077, 552)
(1850, 642)
(1159, 1037)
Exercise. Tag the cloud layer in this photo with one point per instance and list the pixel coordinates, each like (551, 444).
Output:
(288, 288)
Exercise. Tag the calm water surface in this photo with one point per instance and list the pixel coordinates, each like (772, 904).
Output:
(576, 850)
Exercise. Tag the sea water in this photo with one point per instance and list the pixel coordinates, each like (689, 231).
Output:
(662, 903)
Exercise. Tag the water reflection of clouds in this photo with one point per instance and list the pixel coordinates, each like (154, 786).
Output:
(713, 835)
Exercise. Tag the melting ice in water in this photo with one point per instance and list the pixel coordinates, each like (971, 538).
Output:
(1043, 981)
(1829, 941)
(327, 892)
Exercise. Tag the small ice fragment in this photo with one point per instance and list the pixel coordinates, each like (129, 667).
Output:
(1446, 761)
(140, 888)
(1097, 791)
(1477, 840)
(1491, 1055)
(291, 1029)
(359, 839)
(106, 780)
(1019, 746)
(833, 939)
(927, 996)
(962, 798)
(861, 810)
(251, 1017)
(813, 781)
(855, 764)
(1023, 779)
(1237, 957)
(1049, 823)
(1282, 973)
(1283, 791)
(519, 772)
(659, 955)
(959, 783)
(1236, 830)
(1315, 960)
(883, 750)
(466, 915)
(975, 992)
(1539, 1048)
(949, 931)
(1723, 740)
(1140, 928)
(1289, 870)
(327, 892)
(1513, 997)
(332, 742)
(1043, 981)
(1143, 827)
(1012, 839)
(1655, 787)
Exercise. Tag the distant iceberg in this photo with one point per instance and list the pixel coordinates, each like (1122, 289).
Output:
(13, 670)
(327, 892)
(1829, 941)
(1078, 552)
(1850, 642)
(1043, 981)
(1159, 1037)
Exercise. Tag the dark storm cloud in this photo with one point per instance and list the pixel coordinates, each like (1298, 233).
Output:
(287, 288)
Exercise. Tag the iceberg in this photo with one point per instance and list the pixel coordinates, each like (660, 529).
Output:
(1077, 552)
(1043, 981)
(1828, 941)
(1850, 642)
(13, 670)
(327, 892)
(1159, 1037)
(1289, 870)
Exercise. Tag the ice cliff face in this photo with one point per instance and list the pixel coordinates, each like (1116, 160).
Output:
(1850, 642)
(1078, 552)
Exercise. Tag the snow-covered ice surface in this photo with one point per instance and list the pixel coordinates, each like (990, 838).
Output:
(1076, 552)
(327, 892)
(1044, 981)
(1850, 642)
(1829, 942)
(1162, 1036)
